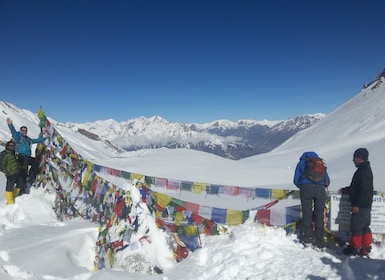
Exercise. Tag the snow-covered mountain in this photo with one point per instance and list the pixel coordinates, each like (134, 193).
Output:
(70, 247)
(360, 122)
(362, 117)
(233, 140)
(24, 117)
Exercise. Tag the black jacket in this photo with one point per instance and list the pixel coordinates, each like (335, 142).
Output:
(361, 187)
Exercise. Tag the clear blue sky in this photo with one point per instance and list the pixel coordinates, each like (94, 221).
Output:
(187, 61)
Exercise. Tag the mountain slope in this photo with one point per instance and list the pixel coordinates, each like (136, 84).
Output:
(364, 114)
(360, 122)
(24, 117)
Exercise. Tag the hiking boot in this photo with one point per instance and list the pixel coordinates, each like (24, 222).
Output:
(320, 238)
(307, 240)
(9, 198)
(350, 251)
(307, 235)
(320, 243)
(365, 251)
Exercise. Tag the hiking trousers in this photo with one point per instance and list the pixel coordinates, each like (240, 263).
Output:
(15, 180)
(313, 196)
(360, 222)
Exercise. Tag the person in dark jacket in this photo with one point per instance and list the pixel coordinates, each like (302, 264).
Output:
(23, 149)
(11, 167)
(311, 194)
(360, 192)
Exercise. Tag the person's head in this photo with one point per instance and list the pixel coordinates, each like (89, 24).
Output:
(10, 145)
(360, 155)
(24, 130)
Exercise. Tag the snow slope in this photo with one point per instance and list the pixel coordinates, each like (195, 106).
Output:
(34, 245)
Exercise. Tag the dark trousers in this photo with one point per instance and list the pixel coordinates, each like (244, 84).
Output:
(30, 167)
(312, 194)
(15, 180)
(360, 222)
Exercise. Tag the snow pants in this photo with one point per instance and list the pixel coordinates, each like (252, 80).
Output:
(360, 222)
(361, 233)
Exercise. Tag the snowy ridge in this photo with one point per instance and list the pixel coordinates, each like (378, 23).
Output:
(20, 117)
(364, 114)
(225, 138)
(360, 122)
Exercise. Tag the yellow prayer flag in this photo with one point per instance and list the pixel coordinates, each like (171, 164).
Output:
(162, 200)
(233, 217)
(190, 230)
(87, 173)
(198, 188)
(134, 176)
(278, 194)
(178, 218)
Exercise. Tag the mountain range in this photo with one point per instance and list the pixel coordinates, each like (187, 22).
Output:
(228, 139)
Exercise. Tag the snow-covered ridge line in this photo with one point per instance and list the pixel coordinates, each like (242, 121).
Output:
(229, 139)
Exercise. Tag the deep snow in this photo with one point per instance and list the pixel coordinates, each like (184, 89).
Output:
(35, 245)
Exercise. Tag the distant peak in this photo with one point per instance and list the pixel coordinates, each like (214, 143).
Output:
(382, 74)
(375, 83)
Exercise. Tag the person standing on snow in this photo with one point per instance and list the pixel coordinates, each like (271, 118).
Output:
(311, 193)
(23, 149)
(12, 169)
(360, 192)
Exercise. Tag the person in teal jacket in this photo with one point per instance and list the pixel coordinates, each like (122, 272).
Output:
(23, 149)
(12, 170)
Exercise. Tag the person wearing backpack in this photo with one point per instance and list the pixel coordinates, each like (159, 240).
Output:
(23, 150)
(11, 167)
(360, 192)
(312, 180)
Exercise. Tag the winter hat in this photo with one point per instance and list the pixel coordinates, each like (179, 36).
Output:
(362, 153)
(9, 143)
